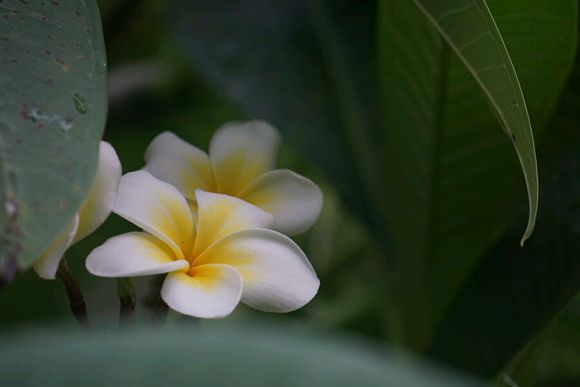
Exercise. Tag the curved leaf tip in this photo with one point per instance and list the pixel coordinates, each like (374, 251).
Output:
(470, 30)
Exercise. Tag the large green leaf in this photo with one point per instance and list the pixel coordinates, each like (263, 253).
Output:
(469, 28)
(452, 172)
(216, 356)
(52, 114)
(515, 292)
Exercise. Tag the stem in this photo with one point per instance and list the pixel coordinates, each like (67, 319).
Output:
(74, 294)
(127, 298)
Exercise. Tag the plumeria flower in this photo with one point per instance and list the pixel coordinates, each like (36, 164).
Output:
(240, 163)
(93, 212)
(215, 256)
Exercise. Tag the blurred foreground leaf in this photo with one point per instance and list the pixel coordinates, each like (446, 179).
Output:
(216, 356)
(52, 114)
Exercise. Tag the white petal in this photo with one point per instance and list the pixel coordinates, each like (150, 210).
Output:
(158, 208)
(208, 291)
(99, 202)
(175, 161)
(239, 153)
(277, 275)
(294, 200)
(219, 215)
(133, 254)
(47, 265)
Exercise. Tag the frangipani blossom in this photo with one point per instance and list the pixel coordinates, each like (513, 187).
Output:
(93, 212)
(240, 163)
(215, 256)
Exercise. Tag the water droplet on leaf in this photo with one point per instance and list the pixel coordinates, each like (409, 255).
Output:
(80, 104)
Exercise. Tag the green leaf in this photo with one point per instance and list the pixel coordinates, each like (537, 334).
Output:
(515, 292)
(52, 114)
(469, 28)
(558, 350)
(453, 175)
(208, 356)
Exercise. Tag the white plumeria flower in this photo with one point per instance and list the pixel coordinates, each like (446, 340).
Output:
(216, 255)
(240, 163)
(93, 212)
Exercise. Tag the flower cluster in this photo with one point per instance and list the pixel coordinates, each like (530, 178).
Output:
(240, 163)
(215, 224)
